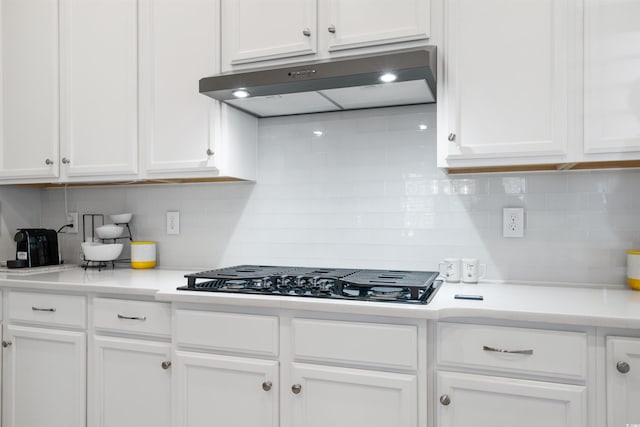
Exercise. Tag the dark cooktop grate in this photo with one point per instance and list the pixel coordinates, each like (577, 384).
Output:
(336, 283)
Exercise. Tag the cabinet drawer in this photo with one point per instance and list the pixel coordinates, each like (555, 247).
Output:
(517, 350)
(361, 344)
(48, 309)
(227, 332)
(139, 317)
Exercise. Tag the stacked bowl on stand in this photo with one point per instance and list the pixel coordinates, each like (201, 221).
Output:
(96, 252)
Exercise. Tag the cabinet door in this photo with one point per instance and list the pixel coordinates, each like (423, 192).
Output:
(179, 46)
(44, 378)
(612, 76)
(467, 400)
(255, 30)
(130, 386)
(506, 72)
(215, 390)
(99, 89)
(321, 396)
(623, 381)
(359, 23)
(29, 88)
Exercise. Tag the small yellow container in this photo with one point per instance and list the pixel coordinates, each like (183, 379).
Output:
(633, 269)
(143, 255)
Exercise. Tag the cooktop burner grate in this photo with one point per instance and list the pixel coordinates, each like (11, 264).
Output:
(334, 283)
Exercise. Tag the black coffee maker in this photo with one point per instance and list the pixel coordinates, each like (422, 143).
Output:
(35, 247)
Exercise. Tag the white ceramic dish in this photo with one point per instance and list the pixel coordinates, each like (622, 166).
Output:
(109, 231)
(101, 252)
(123, 218)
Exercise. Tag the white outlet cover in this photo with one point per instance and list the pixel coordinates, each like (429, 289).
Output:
(513, 222)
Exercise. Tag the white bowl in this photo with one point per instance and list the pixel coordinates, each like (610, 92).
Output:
(101, 252)
(109, 231)
(123, 218)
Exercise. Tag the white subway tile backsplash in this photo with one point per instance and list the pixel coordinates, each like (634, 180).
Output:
(367, 193)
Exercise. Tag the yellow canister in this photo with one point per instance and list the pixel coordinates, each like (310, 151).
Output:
(143, 254)
(633, 269)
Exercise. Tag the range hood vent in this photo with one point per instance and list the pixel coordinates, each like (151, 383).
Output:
(330, 85)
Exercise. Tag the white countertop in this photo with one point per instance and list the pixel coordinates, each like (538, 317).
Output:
(121, 281)
(588, 306)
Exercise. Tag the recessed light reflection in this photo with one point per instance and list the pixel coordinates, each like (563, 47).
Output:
(240, 93)
(318, 133)
(423, 127)
(388, 77)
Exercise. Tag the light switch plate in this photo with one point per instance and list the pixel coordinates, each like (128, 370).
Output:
(173, 222)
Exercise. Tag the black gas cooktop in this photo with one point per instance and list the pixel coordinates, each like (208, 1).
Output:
(417, 287)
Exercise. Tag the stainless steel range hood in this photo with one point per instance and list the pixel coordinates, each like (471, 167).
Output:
(330, 85)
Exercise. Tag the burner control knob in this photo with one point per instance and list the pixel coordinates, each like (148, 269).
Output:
(266, 386)
(296, 388)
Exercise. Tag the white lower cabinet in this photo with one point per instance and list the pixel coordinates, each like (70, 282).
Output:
(623, 381)
(216, 390)
(297, 371)
(130, 369)
(44, 377)
(467, 400)
(515, 376)
(132, 383)
(356, 397)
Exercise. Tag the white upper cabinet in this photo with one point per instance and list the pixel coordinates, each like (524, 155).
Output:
(107, 90)
(612, 76)
(254, 30)
(360, 23)
(179, 41)
(99, 91)
(506, 81)
(29, 89)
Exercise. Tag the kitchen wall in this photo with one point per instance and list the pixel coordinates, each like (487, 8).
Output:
(366, 193)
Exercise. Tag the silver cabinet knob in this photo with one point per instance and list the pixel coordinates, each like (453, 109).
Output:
(65, 161)
(48, 162)
(623, 367)
(266, 386)
(445, 399)
(166, 365)
(306, 32)
(6, 344)
(296, 388)
(209, 152)
(332, 29)
(452, 137)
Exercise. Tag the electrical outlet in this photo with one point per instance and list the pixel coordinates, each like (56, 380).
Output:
(173, 222)
(513, 222)
(72, 218)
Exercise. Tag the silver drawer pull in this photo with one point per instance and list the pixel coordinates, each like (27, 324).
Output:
(501, 350)
(120, 316)
(51, 310)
